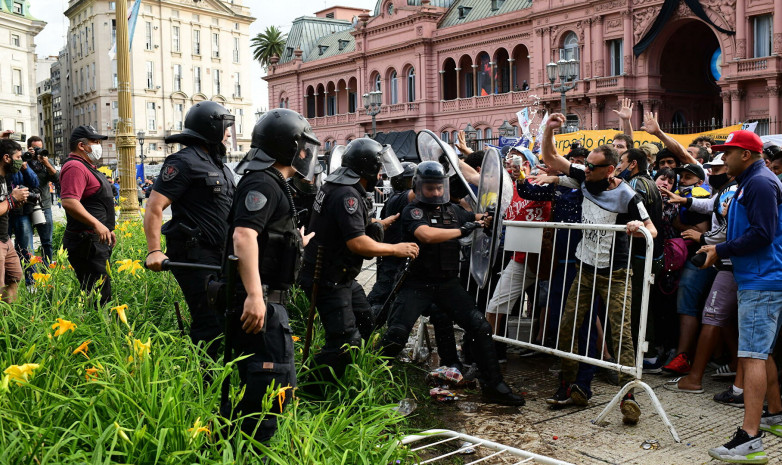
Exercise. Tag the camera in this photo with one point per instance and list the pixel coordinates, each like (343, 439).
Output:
(33, 197)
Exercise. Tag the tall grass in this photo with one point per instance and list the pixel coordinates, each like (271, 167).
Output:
(123, 401)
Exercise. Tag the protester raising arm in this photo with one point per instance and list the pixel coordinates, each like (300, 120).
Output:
(652, 127)
(547, 148)
(625, 113)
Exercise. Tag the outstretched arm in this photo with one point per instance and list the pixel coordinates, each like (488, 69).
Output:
(652, 127)
(625, 113)
(550, 157)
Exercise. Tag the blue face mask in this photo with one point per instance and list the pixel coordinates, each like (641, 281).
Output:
(625, 174)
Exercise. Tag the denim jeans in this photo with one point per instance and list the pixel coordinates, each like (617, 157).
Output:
(23, 232)
(45, 234)
(758, 322)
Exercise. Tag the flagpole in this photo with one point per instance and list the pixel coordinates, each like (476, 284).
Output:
(126, 139)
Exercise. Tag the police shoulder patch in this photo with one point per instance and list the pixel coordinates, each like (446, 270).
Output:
(417, 213)
(351, 204)
(254, 201)
(168, 172)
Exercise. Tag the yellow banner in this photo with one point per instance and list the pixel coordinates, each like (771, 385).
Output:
(593, 139)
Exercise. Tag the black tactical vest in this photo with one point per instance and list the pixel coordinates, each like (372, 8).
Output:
(280, 248)
(100, 204)
(438, 261)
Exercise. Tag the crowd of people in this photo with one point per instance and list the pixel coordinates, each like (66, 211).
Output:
(712, 212)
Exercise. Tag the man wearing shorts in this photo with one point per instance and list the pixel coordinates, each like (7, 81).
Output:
(754, 244)
(10, 266)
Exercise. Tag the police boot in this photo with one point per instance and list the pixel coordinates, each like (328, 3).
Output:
(501, 393)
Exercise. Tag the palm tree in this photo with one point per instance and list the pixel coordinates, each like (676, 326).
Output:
(267, 44)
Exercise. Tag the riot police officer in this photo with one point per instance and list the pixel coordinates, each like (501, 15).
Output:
(343, 225)
(387, 267)
(269, 246)
(304, 190)
(436, 224)
(199, 188)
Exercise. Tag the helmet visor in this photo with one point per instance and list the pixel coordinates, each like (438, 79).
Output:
(232, 146)
(432, 191)
(305, 160)
(335, 159)
(391, 164)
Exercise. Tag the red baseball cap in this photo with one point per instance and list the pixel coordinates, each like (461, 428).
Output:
(746, 140)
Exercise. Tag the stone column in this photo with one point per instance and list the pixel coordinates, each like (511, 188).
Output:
(475, 80)
(726, 113)
(773, 106)
(512, 74)
(315, 96)
(458, 84)
(442, 85)
(777, 39)
(593, 107)
(735, 111)
(306, 106)
(587, 59)
(599, 49)
(627, 42)
(741, 30)
(493, 82)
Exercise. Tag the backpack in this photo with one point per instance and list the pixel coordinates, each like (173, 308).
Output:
(675, 253)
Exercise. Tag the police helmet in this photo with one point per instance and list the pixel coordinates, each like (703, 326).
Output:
(770, 149)
(431, 184)
(284, 136)
(205, 122)
(365, 158)
(404, 180)
(305, 187)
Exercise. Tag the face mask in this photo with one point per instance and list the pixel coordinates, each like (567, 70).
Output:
(718, 180)
(684, 190)
(97, 151)
(596, 187)
(625, 174)
(16, 166)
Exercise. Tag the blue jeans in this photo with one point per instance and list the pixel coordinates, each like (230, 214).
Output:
(758, 322)
(23, 231)
(45, 234)
(693, 287)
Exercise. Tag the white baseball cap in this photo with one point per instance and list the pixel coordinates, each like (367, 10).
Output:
(716, 162)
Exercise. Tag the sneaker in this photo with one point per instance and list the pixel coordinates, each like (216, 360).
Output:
(771, 423)
(723, 372)
(653, 368)
(728, 398)
(680, 365)
(630, 409)
(741, 449)
(578, 395)
(561, 397)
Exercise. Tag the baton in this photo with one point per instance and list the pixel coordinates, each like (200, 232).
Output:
(179, 318)
(313, 298)
(168, 265)
(382, 315)
(230, 287)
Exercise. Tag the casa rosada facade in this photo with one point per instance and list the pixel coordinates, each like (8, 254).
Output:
(442, 65)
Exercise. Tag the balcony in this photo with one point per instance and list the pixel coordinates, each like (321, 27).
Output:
(753, 65)
(508, 99)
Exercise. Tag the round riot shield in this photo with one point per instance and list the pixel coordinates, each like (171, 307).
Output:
(431, 148)
(485, 242)
(335, 159)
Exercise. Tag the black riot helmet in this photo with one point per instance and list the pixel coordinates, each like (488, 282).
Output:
(206, 123)
(404, 180)
(365, 158)
(284, 136)
(430, 183)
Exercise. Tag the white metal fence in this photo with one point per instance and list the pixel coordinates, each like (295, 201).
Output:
(429, 444)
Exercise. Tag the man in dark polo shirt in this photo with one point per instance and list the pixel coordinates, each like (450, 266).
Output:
(89, 211)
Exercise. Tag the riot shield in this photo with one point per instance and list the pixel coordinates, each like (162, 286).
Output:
(335, 159)
(485, 242)
(431, 148)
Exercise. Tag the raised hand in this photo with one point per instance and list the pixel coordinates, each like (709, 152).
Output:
(650, 123)
(626, 110)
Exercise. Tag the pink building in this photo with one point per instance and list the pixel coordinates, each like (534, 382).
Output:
(442, 64)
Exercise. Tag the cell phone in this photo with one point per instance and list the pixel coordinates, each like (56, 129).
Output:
(17, 136)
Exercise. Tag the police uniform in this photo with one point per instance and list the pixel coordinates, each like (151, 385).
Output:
(200, 188)
(263, 203)
(388, 267)
(340, 213)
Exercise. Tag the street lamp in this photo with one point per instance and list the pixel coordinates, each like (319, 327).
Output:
(506, 130)
(372, 103)
(567, 70)
(140, 137)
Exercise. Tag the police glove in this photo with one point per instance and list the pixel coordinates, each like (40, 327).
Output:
(469, 227)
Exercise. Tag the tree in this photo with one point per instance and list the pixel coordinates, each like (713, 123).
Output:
(267, 44)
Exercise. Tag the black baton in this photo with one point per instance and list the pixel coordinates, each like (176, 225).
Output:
(230, 287)
(382, 315)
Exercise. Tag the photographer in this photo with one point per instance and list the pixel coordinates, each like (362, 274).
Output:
(19, 218)
(10, 267)
(39, 162)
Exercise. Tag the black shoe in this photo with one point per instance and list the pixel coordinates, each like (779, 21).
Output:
(728, 398)
(561, 397)
(578, 395)
(630, 409)
(501, 394)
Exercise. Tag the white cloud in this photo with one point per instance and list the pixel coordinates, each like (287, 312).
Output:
(267, 12)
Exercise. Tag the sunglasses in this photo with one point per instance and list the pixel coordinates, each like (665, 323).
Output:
(592, 166)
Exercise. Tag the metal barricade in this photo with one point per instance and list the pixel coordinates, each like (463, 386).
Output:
(467, 444)
(528, 238)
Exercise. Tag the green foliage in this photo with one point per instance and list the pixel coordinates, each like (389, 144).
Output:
(267, 44)
(137, 393)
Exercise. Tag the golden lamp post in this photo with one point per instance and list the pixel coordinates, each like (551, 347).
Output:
(126, 139)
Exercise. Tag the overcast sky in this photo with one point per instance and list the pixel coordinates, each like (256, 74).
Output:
(267, 12)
